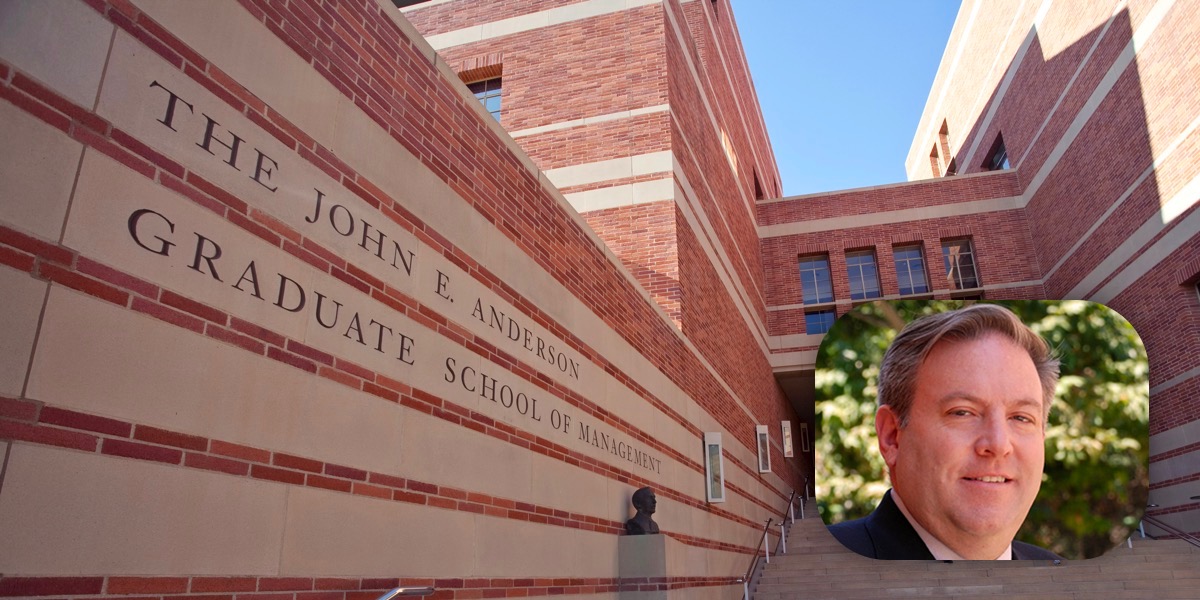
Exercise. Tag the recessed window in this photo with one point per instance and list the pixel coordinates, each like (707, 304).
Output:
(935, 163)
(815, 283)
(727, 144)
(959, 260)
(488, 93)
(997, 157)
(944, 138)
(944, 143)
(864, 277)
(910, 270)
(819, 321)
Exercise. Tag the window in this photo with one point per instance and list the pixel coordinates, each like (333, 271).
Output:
(488, 93)
(764, 448)
(819, 321)
(714, 468)
(910, 270)
(815, 283)
(864, 277)
(997, 157)
(959, 260)
(944, 138)
(935, 163)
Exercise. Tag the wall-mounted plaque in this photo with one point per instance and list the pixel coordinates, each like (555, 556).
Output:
(787, 439)
(804, 437)
(764, 449)
(714, 468)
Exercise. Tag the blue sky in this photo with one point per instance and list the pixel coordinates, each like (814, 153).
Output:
(842, 83)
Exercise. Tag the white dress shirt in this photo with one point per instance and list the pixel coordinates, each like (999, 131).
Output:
(939, 550)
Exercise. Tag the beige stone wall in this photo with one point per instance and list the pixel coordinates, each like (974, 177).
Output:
(176, 420)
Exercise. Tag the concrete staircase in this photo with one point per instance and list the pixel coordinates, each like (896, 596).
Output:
(817, 566)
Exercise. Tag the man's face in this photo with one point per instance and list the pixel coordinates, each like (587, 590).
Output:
(968, 464)
(649, 504)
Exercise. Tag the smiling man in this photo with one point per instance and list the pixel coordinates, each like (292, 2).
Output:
(963, 401)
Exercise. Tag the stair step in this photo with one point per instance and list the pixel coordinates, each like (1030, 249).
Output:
(816, 566)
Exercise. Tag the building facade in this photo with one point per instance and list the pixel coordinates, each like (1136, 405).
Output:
(308, 299)
(1056, 158)
(291, 313)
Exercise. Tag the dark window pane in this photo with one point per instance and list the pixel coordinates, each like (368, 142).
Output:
(959, 261)
(818, 321)
(815, 281)
(809, 288)
(997, 157)
(864, 279)
(825, 291)
(910, 270)
(488, 92)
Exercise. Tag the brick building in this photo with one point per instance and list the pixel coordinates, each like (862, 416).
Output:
(310, 298)
(1056, 158)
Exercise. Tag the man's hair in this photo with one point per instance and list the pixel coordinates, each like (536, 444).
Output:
(898, 374)
(641, 496)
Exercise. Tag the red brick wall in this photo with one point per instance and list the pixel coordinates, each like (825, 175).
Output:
(718, 190)
(643, 237)
(917, 194)
(449, 16)
(711, 319)
(640, 53)
(566, 72)
(1165, 311)
(600, 141)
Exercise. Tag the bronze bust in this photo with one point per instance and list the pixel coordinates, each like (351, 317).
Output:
(641, 523)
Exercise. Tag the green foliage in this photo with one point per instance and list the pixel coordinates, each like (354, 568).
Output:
(1096, 481)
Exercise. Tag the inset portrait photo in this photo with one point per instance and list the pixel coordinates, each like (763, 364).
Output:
(967, 430)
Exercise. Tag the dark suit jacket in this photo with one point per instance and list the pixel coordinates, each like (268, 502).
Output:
(887, 534)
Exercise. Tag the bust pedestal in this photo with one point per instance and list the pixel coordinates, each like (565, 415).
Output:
(646, 562)
(642, 566)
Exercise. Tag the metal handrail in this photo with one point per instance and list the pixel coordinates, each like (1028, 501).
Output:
(1185, 536)
(754, 561)
(406, 591)
(786, 517)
